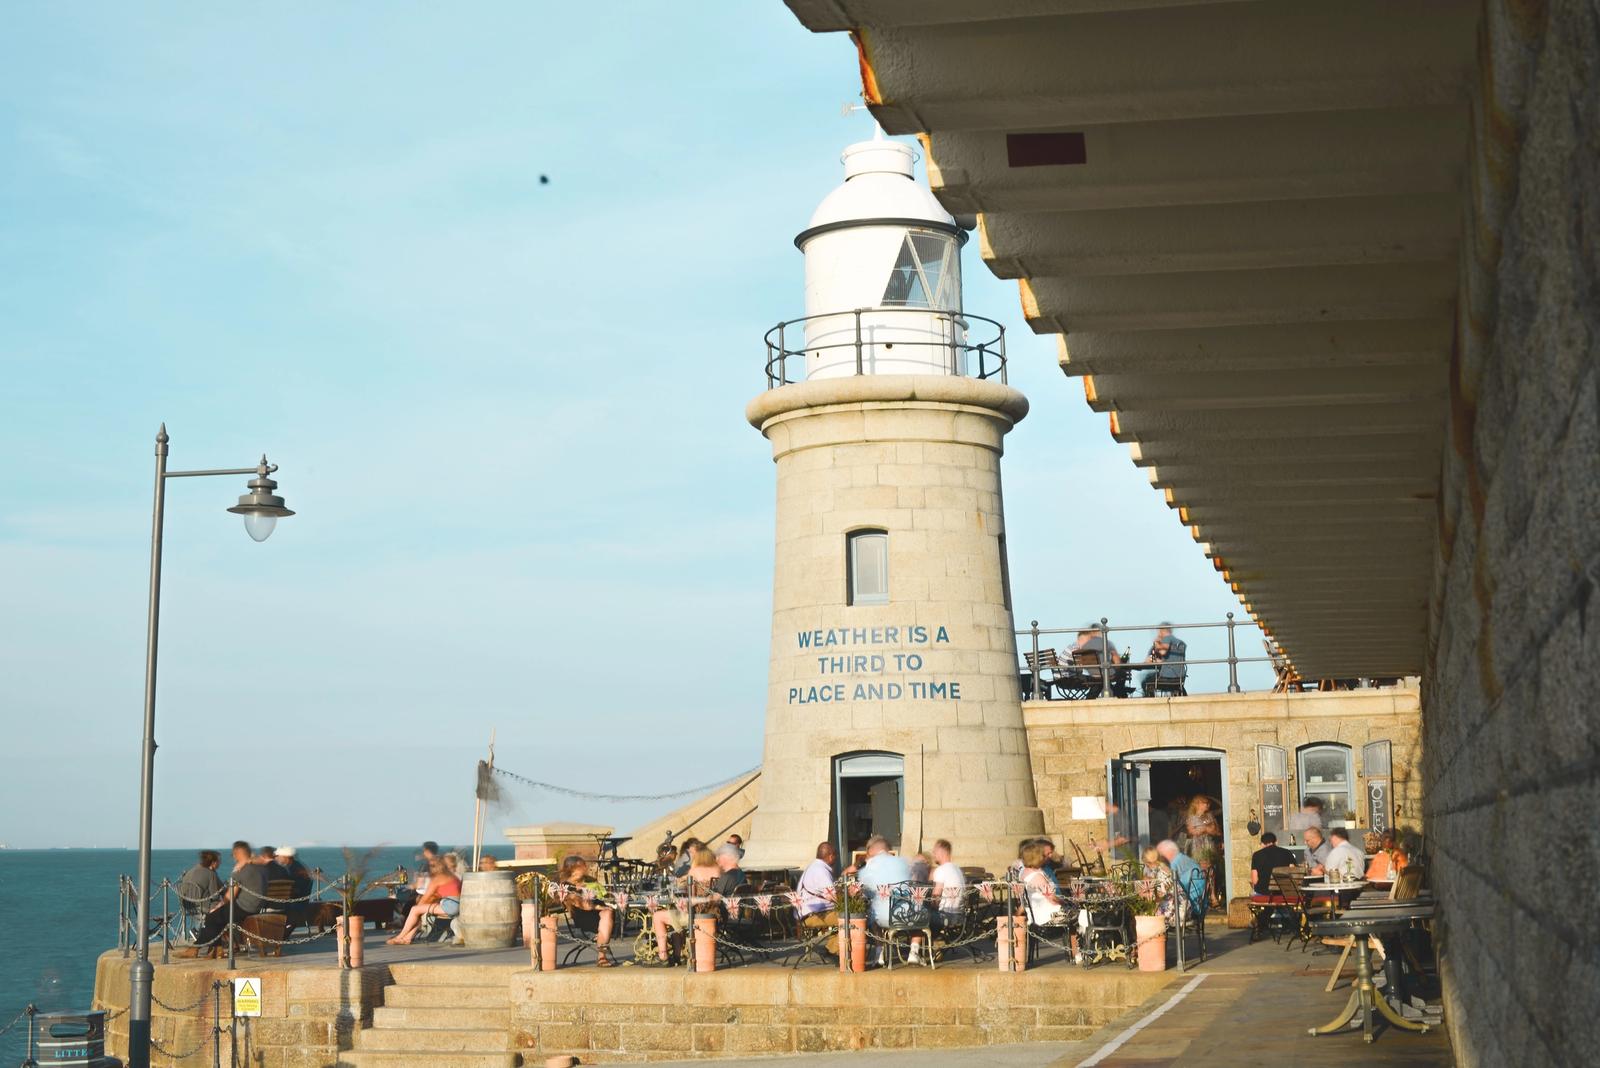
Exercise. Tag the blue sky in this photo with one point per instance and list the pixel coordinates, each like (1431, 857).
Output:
(509, 414)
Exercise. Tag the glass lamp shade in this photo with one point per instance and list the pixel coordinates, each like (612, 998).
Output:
(259, 526)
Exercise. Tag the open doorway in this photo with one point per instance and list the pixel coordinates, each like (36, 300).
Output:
(1179, 794)
(868, 799)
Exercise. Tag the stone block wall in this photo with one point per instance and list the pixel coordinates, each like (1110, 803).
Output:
(930, 675)
(307, 1013)
(1071, 741)
(650, 1015)
(1512, 731)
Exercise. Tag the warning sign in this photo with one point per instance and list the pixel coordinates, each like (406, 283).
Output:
(247, 997)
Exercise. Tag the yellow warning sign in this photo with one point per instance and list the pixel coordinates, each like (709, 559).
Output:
(247, 997)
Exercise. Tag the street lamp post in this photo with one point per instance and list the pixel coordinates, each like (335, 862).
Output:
(261, 509)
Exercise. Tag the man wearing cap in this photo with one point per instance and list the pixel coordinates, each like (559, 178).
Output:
(1169, 652)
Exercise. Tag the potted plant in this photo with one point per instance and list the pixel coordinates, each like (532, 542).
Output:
(1149, 932)
(356, 881)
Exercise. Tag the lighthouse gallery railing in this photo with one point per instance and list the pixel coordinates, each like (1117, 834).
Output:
(988, 353)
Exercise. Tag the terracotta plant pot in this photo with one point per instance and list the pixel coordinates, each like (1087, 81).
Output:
(858, 943)
(1150, 932)
(351, 935)
(1011, 943)
(527, 924)
(547, 943)
(705, 943)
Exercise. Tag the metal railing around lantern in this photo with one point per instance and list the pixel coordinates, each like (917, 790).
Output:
(960, 353)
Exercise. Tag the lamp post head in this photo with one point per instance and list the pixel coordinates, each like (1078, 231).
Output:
(261, 507)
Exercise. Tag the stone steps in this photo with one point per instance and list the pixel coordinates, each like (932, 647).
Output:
(442, 1017)
(387, 1018)
(445, 997)
(412, 1059)
(437, 1039)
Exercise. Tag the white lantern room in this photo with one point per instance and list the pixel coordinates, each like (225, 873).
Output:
(883, 273)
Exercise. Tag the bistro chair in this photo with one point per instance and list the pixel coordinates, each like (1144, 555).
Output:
(908, 917)
(1303, 911)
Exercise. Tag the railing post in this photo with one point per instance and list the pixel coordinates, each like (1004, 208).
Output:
(688, 927)
(216, 1024)
(232, 897)
(166, 922)
(955, 358)
(1105, 659)
(1233, 659)
(859, 365)
(1002, 343)
(1035, 665)
(538, 925)
(122, 914)
(844, 923)
(783, 358)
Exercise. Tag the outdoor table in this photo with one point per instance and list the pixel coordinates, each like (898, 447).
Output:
(1359, 925)
(1343, 891)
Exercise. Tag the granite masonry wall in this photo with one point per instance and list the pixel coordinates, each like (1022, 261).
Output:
(1071, 741)
(1511, 752)
(650, 1014)
(307, 1013)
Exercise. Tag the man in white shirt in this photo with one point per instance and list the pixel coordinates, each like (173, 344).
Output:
(814, 905)
(1345, 859)
(948, 880)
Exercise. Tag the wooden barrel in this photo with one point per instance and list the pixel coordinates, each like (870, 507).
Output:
(490, 917)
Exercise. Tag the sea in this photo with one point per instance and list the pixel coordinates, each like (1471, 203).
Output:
(58, 913)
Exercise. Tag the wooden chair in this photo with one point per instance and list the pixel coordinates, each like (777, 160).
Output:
(1084, 681)
(1046, 660)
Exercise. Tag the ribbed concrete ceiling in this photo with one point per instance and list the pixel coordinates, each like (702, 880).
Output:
(1242, 219)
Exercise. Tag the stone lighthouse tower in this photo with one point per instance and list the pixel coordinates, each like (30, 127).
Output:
(893, 700)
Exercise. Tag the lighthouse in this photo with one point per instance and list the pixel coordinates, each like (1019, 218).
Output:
(893, 704)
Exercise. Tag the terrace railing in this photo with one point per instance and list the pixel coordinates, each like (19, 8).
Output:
(1035, 639)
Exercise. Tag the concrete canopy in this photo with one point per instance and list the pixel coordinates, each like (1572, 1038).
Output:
(1243, 220)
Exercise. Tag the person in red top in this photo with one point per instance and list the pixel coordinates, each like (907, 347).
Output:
(442, 899)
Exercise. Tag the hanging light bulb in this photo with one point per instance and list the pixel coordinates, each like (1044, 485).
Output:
(261, 507)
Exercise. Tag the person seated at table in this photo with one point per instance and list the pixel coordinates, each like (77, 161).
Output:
(686, 857)
(1316, 850)
(730, 876)
(1090, 641)
(921, 868)
(1167, 651)
(488, 862)
(442, 898)
(695, 881)
(249, 880)
(737, 841)
(1159, 878)
(1267, 859)
(1045, 906)
(815, 907)
(199, 886)
(882, 869)
(584, 898)
(1190, 877)
(1388, 859)
(1344, 861)
(406, 897)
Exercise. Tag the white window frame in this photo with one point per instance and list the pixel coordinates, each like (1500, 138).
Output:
(1330, 815)
(854, 539)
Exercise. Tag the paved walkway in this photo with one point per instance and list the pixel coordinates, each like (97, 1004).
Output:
(1252, 1005)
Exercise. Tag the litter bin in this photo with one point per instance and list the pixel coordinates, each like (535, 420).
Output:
(71, 1038)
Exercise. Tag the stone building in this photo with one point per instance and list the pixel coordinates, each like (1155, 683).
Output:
(1331, 272)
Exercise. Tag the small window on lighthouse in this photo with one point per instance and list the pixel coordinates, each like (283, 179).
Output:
(926, 274)
(868, 560)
